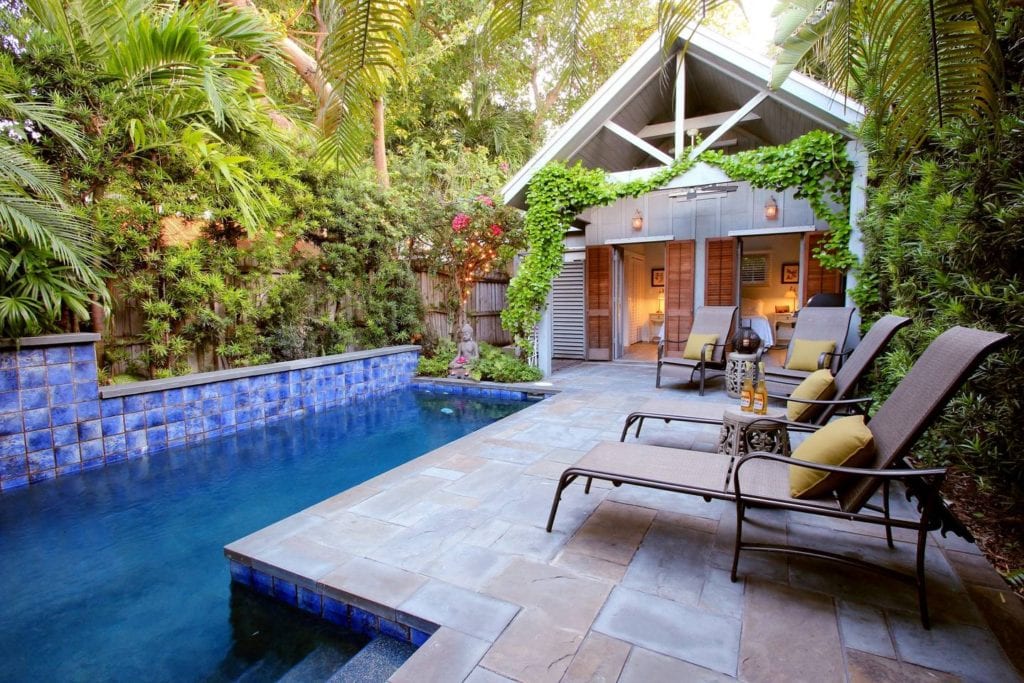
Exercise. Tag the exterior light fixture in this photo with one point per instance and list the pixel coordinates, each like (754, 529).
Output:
(638, 220)
(771, 209)
(693, 133)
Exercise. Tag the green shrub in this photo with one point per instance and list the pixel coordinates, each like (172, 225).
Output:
(496, 366)
(434, 362)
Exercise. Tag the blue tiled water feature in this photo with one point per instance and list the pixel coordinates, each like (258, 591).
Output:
(118, 574)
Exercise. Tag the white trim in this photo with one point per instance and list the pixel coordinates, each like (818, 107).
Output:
(640, 240)
(729, 123)
(678, 129)
(663, 130)
(640, 144)
(770, 231)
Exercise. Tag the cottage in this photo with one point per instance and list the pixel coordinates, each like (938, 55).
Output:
(639, 268)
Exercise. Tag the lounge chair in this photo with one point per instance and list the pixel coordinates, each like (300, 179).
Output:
(861, 360)
(760, 480)
(814, 325)
(713, 320)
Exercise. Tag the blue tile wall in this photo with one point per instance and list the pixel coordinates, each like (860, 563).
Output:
(53, 421)
(328, 608)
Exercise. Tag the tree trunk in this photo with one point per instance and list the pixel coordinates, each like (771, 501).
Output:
(380, 155)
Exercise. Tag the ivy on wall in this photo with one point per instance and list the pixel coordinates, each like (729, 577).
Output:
(815, 164)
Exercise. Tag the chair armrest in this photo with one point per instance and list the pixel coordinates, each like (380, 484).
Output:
(861, 404)
(890, 473)
(790, 424)
(704, 351)
(831, 355)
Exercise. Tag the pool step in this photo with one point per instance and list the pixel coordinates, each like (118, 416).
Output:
(318, 665)
(374, 663)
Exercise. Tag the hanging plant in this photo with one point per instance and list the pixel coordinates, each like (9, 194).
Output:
(814, 164)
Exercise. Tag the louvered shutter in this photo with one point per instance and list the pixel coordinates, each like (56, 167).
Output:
(679, 257)
(599, 302)
(720, 272)
(567, 313)
(818, 279)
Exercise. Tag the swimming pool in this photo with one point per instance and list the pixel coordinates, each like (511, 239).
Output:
(118, 573)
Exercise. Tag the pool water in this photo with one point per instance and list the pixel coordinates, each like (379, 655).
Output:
(118, 573)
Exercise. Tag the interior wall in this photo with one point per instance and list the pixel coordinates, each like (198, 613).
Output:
(782, 249)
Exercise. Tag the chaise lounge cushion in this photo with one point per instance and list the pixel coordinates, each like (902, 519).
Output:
(819, 386)
(843, 442)
(806, 353)
(695, 343)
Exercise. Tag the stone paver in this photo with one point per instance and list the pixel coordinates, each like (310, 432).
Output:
(633, 584)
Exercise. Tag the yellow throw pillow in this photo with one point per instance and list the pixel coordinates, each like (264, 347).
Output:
(696, 342)
(846, 441)
(818, 386)
(806, 353)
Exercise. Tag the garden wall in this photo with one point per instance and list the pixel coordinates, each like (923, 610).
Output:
(56, 420)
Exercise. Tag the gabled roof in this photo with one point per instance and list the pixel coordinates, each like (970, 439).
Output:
(720, 76)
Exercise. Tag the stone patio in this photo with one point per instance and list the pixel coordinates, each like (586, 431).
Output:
(633, 584)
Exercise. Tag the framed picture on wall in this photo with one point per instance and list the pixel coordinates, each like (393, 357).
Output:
(657, 277)
(790, 273)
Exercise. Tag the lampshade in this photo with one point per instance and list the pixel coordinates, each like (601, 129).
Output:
(638, 220)
(661, 301)
(771, 209)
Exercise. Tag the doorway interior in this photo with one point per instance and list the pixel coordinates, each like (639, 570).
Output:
(643, 301)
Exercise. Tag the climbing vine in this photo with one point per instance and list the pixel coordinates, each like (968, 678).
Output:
(815, 164)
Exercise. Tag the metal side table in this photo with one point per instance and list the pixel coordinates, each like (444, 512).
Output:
(734, 363)
(739, 437)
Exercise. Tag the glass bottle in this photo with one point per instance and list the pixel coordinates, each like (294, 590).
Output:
(747, 389)
(761, 392)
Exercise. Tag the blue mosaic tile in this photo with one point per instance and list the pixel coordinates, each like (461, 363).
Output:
(194, 426)
(13, 466)
(68, 455)
(135, 442)
(36, 419)
(285, 591)
(92, 450)
(192, 394)
(310, 601)
(394, 630)
(212, 422)
(32, 377)
(70, 468)
(208, 391)
(8, 380)
(363, 622)
(262, 582)
(134, 404)
(176, 431)
(40, 476)
(10, 424)
(134, 421)
(336, 611)
(58, 374)
(194, 410)
(114, 447)
(14, 482)
(111, 406)
(174, 397)
(417, 637)
(92, 464)
(83, 352)
(41, 459)
(240, 573)
(174, 414)
(89, 430)
(209, 406)
(31, 357)
(8, 360)
(65, 435)
(155, 417)
(112, 425)
(84, 372)
(86, 391)
(63, 415)
(156, 438)
(62, 395)
(88, 410)
(9, 402)
(154, 399)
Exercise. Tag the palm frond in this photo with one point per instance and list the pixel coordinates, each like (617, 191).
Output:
(680, 18)
(509, 17)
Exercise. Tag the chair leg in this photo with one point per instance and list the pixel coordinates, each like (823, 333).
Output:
(701, 379)
(922, 590)
(657, 378)
(885, 513)
(739, 541)
(630, 419)
(639, 424)
(563, 481)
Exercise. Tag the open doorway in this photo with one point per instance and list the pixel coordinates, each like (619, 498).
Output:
(770, 289)
(643, 300)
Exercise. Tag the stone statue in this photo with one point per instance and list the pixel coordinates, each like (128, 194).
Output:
(468, 352)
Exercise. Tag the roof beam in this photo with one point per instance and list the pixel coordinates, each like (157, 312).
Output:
(729, 123)
(638, 143)
(679, 129)
(661, 130)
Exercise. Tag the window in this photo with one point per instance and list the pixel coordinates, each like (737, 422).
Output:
(754, 269)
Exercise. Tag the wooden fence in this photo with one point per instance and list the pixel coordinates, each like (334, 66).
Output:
(483, 309)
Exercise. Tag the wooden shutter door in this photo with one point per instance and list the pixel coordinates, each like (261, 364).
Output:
(679, 256)
(599, 302)
(819, 280)
(720, 272)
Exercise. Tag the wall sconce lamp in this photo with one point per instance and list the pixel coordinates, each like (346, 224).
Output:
(638, 220)
(771, 209)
